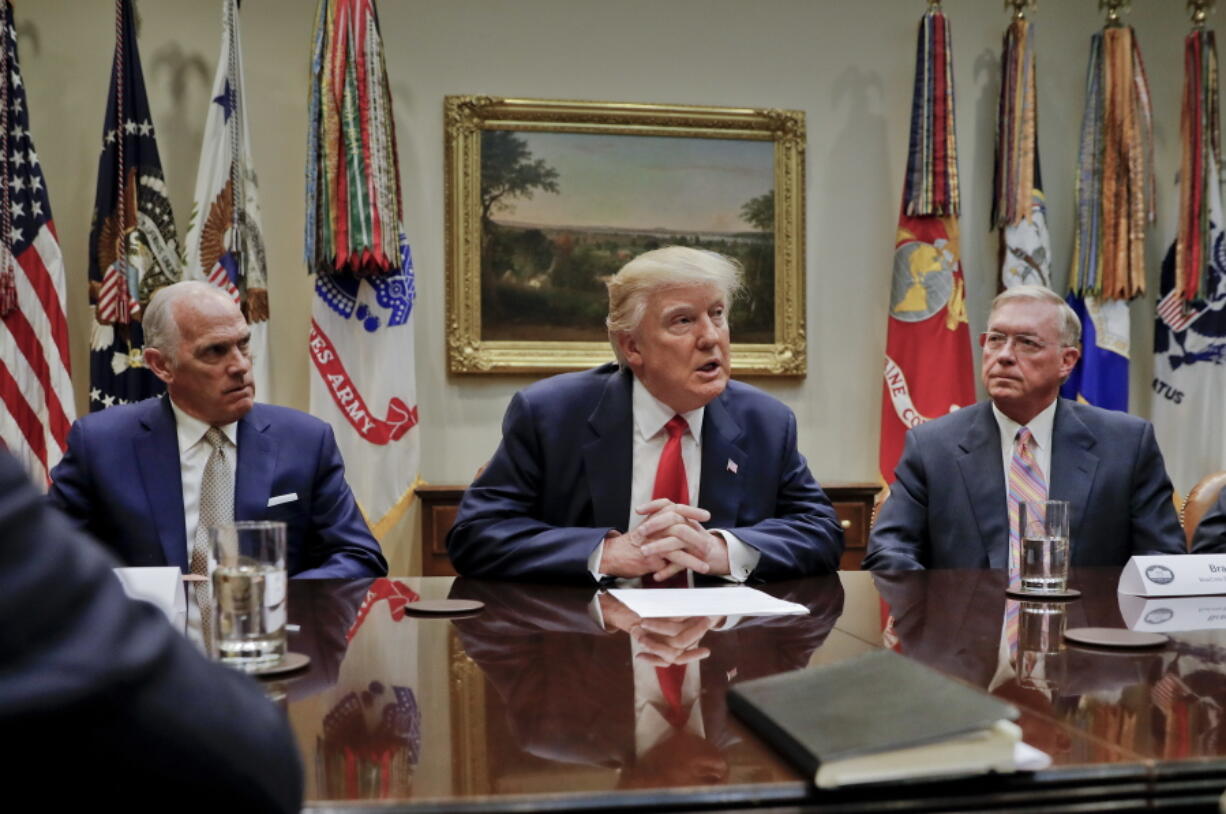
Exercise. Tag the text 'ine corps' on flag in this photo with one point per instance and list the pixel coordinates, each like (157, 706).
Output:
(36, 403)
(225, 242)
(1190, 329)
(133, 247)
(361, 342)
(928, 367)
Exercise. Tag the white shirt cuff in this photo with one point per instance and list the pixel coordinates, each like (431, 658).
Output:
(742, 557)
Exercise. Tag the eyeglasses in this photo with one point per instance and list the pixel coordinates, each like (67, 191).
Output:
(995, 341)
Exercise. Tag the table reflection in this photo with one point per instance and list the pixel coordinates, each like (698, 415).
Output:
(1164, 703)
(585, 682)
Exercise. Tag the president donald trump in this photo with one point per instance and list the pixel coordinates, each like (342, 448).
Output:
(654, 467)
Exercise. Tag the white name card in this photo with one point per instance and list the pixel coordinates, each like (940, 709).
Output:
(1179, 575)
(160, 586)
(1173, 613)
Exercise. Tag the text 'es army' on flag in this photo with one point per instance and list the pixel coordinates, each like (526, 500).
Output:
(361, 342)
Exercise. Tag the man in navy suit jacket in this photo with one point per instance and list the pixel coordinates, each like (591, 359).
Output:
(131, 474)
(101, 699)
(569, 493)
(948, 504)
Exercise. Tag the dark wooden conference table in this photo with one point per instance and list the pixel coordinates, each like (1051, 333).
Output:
(530, 704)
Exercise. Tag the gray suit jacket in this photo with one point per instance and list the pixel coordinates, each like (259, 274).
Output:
(947, 507)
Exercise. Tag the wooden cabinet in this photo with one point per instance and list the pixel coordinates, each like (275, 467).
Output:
(853, 502)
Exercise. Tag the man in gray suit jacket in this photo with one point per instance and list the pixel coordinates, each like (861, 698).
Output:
(948, 506)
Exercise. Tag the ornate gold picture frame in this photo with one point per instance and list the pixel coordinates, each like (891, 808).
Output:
(545, 198)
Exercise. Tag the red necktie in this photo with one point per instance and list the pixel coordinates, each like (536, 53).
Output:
(670, 473)
(671, 484)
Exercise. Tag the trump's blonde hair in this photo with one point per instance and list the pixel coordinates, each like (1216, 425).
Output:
(669, 267)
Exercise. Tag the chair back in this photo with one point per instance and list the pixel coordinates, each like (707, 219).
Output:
(1202, 497)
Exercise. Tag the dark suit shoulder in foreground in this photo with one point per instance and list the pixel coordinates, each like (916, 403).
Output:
(101, 700)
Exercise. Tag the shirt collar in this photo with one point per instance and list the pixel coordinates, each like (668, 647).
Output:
(192, 430)
(651, 414)
(1040, 426)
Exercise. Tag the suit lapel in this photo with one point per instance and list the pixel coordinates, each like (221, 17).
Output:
(721, 489)
(1073, 465)
(157, 459)
(979, 461)
(257, 461)
(607, 458)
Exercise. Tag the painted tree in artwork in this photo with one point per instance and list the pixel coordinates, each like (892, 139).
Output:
(508, 171)
(759, 212)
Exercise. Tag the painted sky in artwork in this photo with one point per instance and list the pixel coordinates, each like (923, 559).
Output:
(646, 182)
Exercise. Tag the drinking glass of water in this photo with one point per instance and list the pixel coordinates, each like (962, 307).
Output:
(1045, 545)
(249, 592)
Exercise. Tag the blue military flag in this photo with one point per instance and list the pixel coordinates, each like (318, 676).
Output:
(133, 249)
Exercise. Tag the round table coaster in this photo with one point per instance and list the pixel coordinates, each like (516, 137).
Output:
(1040, 596)
(1115, 637)
(291, 663)
(444, 607)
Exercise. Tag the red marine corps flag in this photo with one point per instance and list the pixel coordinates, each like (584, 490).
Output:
(928, 366)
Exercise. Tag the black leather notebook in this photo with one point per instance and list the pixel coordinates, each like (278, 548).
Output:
(877, 716)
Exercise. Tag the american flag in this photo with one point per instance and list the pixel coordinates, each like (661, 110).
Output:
(36, 404)
(133, 249)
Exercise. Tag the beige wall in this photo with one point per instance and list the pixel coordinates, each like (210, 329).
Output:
(847, 63)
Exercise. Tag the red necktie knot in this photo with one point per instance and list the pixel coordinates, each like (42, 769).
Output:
(676, 427)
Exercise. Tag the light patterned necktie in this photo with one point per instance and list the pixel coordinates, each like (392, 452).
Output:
(216, 507)
(1026, 485)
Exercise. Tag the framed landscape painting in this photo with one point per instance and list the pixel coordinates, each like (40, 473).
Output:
(546, 199)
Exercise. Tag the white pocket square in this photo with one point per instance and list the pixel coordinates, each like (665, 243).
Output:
(279, 499)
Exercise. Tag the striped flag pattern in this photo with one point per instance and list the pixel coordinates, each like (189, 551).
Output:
(36, 401)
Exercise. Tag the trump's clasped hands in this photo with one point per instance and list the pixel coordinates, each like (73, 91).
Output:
(670, 540)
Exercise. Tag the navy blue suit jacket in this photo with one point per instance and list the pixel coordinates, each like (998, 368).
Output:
(101, 699)
(948, 509)
(120, 481)
(560, 480)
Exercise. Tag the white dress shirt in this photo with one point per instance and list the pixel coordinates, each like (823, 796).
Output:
(194, 453)
(650, 416)
(1040, 427)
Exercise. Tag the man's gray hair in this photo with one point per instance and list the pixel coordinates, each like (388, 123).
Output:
(1067, 322)
(161, 328)
(670, 267)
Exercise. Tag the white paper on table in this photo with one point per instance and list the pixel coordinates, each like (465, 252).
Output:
(161, 586)
(734, 600)
(1028, 759)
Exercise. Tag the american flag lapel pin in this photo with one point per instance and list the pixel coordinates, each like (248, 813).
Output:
(732, 466)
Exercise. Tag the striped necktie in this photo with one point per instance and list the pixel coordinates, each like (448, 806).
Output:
(1026, 485)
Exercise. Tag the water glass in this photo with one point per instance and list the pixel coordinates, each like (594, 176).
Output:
(1043, 526)
(249, 592)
